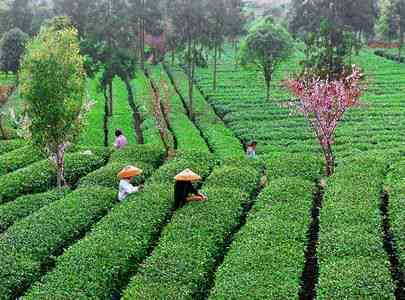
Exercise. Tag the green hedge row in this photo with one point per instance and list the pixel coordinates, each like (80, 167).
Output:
(28, 246)
(41, 176)
(24, 206)
(352, 260)
(98, 265)
(395, 186)
(308, 166)
(266, 259)
(221, 139)
(185, 256)
(10, 145)
(18, 159)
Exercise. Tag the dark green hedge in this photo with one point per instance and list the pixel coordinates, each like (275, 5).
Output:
(26, 205)
(395, 187)
(185, 256)
(29, 244)
(267, 257)
(41, 176)
(10, 145)
(18, 159)
(353, 263)
(101, 262)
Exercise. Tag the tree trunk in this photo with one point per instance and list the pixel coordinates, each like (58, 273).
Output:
(191, 57)
(60, 166)
(137, 116)
(268, 76)
(330, 160)
(401, 42)
(110, 99)
(215, 67)
(105, 123)
(173, 57)
(2, 131)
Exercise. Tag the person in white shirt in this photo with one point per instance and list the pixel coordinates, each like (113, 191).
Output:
(125, 187)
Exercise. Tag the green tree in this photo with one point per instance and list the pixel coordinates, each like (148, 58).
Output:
(387, 23)
(54, 86)
(266, 46)
(12, 47)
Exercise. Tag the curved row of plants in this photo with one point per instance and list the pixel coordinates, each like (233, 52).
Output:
(395, 187)
(30, 244)
(352, 260)
(99, 264)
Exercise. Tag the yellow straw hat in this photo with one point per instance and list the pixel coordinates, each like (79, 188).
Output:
(129, 172)
(187, 175)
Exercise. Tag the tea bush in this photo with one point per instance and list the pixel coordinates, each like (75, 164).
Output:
(10, 145)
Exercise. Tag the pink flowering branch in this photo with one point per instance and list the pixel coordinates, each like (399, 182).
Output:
(323, 103)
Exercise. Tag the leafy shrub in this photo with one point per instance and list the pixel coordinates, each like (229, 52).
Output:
(244, 179)
(267, 257)
(288, 165)
(118, 243)
(149, 154)
(10, 145)
(30, 243)
(41, 176)
(26, 205)
(18, 159)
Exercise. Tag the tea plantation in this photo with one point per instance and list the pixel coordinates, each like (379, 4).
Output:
(273, 227)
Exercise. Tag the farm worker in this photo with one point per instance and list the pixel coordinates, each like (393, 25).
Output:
(125, 187)
(184, 190)
(120, 140)
(251, 149)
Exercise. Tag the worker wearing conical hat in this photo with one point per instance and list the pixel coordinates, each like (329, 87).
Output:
(185, 191)
(125, 187)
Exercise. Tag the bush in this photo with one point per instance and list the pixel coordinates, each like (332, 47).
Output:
(29, 244)
(18, 159)
(267, 257)
(149, 154)
(352, 260)
(186, 253)
(310, 167)
(10, 145)
(100, 263)
(41, 176)
(25, 206)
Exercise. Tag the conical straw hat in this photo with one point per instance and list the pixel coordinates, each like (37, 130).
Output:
(187, 175)
(129, 171)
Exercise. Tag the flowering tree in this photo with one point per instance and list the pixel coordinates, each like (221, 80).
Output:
(323, 103)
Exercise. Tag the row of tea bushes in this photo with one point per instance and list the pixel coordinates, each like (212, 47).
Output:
(266, 259)
(25, 205)
(10, 145)
(19, 158)
(352, 260)
(100, 264)
(182, 262)
(221, 139)
(395, 187)
(41, 176)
